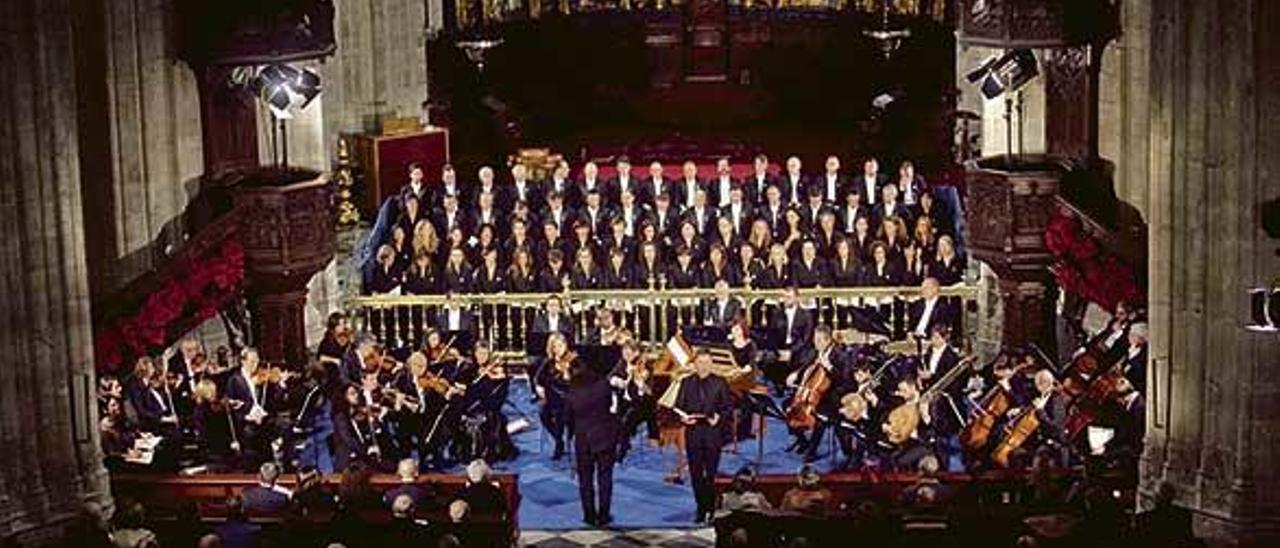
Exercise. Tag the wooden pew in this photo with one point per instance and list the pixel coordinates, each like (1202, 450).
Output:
(163, 495)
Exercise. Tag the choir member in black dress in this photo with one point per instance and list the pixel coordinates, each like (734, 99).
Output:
(826, 233)
(845, 271)
(747, 265)
(725, 235)
(776, 273)
(914, 269)
(421, 277)
(489, 278)
(551, 383)
(936, 211)
(401, 246)
(521, 276)
(554, 277)
(947, 266)
(618, 273)
(893, 232)
(862, 239)
(881, 270)
(386, 277)
(519, 238)
(684, 274)
(456, 275)
(718, 268)
(595, 435)
(925, 237)
(688, 238)
(793, 231)
(585, 273)
(760, 237)
(649, 266)
(702, 402)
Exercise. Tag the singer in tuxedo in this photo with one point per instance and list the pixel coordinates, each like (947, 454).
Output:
(702, 403)
(595, 435)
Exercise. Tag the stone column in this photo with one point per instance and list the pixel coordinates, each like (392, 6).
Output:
(1213, 148)
(51, 461)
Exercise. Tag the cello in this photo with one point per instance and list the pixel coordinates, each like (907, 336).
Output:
(813, 386)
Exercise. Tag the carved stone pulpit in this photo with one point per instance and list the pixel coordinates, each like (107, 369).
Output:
(1009, 206)
(288, 236)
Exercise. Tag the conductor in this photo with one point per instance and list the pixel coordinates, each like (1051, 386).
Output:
(595, 437)
(702, 401)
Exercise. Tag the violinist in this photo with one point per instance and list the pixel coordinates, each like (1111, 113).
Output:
(211, 421)
(356, 431)
(634, 396)
(253, 389)
(312, 422)
(551, 383)
(336, 340)
(417, 403)
(484, 396)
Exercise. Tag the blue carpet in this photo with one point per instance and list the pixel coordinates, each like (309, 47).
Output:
(640, 497)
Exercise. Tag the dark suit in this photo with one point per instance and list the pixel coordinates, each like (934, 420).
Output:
(720, 313)
(793, 189)
(595, 437)
(238, 533)
(717, 193)
(941, 314)
(646, 192)
(870, 196)
(684, 189)
(264, 501)
(708, 397)
(531, 195)
(754, 187)
(830, 193)
(704, 222)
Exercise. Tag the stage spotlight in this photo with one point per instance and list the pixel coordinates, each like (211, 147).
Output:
(307, 84)
(1264, 309)
(283, 87)
(1007, 73)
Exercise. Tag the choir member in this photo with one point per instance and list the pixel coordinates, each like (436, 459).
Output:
(868, 184)
(521, 277)
(947, 266)
(793, 184)
(759, 181)
(831, 185)
(386, 277)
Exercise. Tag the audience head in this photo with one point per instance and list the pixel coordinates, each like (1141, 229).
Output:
(407, 469)
(478, 471)
(402, 506)
(928, 466)
(209, 540)
(459, 511)
(269, 473)
(808, 477)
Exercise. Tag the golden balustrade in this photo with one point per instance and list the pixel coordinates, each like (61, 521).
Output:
(652, 315)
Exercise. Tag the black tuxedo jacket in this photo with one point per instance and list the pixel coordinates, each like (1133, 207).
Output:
(841, 186)
(942, 314)
(793, 191)
(801, 332)
(588, 402)
(713, 313)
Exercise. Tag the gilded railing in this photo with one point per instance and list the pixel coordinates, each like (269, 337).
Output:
(651, 315)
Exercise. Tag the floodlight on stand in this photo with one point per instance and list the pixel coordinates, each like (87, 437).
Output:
(307, 85)
(278, 99)
(1264, 309)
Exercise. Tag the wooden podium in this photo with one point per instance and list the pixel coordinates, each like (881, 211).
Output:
(384, 162)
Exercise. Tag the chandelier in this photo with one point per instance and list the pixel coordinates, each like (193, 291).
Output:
(887, 38)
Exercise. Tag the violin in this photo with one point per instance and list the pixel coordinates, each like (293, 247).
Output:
(271, 375)
(445, 352)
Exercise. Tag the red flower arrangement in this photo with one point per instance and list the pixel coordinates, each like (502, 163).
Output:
(1083, 268)
(195, 292)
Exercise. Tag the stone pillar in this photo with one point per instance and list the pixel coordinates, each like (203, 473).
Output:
(1213, 149)
(51, 461)
(141, 136)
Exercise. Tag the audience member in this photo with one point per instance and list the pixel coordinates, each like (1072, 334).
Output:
(266, 498)
(130, 527)
(808, 497)
(421, 495)
(482, 495)
(236, 531)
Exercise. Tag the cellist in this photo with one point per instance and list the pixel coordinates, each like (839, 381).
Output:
(826, 353)
(1049, 407)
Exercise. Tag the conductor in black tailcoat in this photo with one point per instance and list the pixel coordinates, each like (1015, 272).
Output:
(595, 436)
